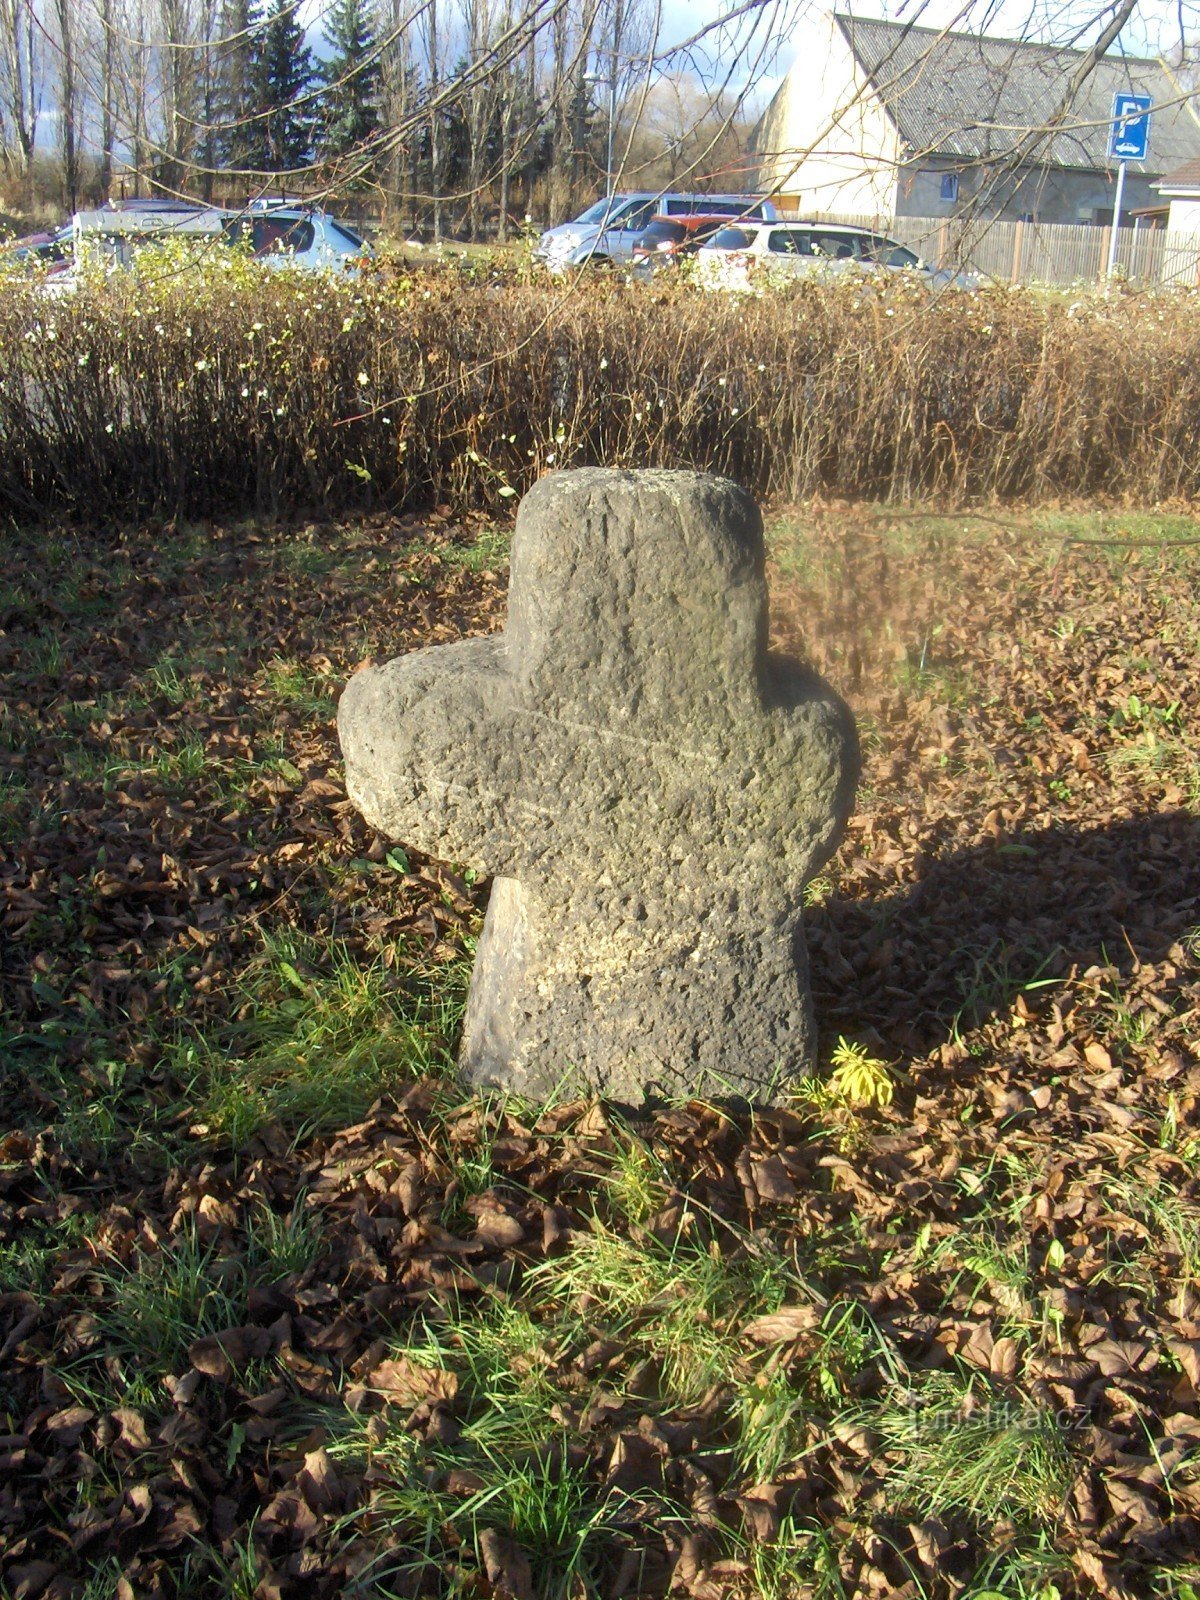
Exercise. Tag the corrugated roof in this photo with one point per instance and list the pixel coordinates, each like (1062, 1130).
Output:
(966, 95)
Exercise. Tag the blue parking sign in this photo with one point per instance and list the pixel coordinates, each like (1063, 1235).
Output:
(1130, 137)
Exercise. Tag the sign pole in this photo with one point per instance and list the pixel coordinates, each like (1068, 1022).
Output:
(1116, 221)
(1128, 141)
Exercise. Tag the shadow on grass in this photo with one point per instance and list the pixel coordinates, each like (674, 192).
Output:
(982, 925)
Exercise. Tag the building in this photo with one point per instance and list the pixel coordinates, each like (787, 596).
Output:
(888, 120)
(1180, 191)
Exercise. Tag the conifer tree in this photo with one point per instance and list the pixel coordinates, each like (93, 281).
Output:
(238, 98)
(350, 104)
(288, 77)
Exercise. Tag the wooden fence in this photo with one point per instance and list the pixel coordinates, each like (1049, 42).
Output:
(1044, 252)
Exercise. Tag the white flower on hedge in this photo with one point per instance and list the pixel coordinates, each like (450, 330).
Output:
(202, 365)
(363, 380)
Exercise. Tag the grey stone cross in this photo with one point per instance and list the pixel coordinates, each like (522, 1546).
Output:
(649, 788)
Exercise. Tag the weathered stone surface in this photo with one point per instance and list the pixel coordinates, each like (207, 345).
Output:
(649, 787)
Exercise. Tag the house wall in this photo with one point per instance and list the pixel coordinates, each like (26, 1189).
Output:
(1184, 216)
(825, 142)
(1181, 260)
(1047, 195)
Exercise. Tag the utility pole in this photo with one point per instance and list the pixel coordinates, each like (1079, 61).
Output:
(618, 23)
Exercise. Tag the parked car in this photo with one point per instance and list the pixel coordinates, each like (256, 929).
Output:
(606, 232)
(669, 239)
(50, 251)
(735, 255)
(298, 236)
(282, 236)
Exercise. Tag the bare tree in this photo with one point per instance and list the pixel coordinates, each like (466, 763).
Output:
(20, 84)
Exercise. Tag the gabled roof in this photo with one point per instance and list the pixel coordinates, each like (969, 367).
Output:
(1184, 177)
(976, 98)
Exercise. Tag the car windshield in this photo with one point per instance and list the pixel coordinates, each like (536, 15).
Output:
(731, 239)
(889, 254)
(662, 232)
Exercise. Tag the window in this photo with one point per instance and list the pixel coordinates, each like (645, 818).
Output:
(790, 242)
(280, 235)
(602, 208)
(637, 217)
(347, 235)
(950, 187)
(731, 239)
(837, 246)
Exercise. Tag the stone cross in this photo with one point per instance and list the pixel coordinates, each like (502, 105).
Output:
(650, 789)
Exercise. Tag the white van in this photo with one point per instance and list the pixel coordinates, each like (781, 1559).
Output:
(606, 232)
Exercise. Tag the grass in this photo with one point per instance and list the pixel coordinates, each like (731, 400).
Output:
(150, 1308)
(1171, 1221)
(169, 683)
(957, 1444)
(159, 1303)
(679, 1303)
(515, 1457)
(261, 1039)
(304, 690)
(314, 1037)
(26, 1264)
(488, 551)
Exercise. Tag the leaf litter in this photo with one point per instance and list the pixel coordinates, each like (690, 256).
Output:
(284, 1313)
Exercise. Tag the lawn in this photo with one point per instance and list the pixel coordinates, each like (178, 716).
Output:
(283, 1312)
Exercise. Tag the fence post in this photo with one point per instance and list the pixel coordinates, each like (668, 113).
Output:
(942, 231)
(1105, 238)
(1018, 249)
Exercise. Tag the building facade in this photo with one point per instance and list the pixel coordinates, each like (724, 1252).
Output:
(888, 120)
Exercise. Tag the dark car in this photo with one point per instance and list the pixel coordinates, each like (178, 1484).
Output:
(667, 240)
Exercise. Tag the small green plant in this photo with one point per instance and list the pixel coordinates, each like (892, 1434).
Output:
(299, 687)
(279, 1246)
(680, 1301)
(818, 890)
